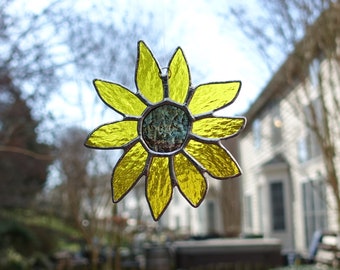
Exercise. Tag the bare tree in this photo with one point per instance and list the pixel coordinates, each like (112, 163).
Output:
(24, 160)
(42, 48)
(307, 34)
(84, 190)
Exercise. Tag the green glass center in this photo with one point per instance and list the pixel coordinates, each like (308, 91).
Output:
(165, 128)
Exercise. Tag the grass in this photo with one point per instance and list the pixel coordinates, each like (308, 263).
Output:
(29, 217)
(49, 233)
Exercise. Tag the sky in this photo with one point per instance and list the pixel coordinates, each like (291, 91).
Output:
(213, 45)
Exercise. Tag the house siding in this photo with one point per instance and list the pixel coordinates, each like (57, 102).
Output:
(260, 169)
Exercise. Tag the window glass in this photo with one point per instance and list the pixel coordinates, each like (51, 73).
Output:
(277, 206)
(303, 153)
(314, 206)
(309, 145)
(314, 69)
(276, 126)
(257, 133)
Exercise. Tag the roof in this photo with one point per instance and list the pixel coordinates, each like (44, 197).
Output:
(278, 159)
(296, 65)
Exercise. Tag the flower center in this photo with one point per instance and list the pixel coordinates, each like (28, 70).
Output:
(165, 128)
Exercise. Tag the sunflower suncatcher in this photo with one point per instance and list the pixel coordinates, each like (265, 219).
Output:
(168, 133)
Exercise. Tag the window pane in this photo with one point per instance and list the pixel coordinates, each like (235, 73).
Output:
(314, 206)
(276, 137)
(302, 150)
(277, 202)
(314, 69)
(257, 133)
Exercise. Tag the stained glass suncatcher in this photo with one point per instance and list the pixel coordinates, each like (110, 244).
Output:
(168, 133)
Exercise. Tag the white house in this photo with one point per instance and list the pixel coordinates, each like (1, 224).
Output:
(180, 217)
(284, 189)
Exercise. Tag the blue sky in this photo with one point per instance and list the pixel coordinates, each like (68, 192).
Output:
(211, 42)
(214, 47)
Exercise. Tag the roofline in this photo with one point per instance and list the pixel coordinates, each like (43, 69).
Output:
(292, 69)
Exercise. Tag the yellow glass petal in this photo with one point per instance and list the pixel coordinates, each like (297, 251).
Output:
(148, 72)
(190, 181)
(179, 79)
(159, 186)
(217, 128)
(113, 135)
(128, 171)
(119, 98)
(216, 160)
(213, 96)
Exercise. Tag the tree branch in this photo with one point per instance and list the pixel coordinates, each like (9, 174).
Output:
(25, 152)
